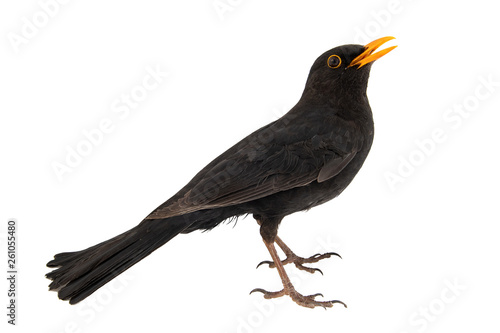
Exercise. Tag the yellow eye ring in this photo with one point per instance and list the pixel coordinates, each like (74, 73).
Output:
(334, 61)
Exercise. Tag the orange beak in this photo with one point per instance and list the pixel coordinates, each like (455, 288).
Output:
(368, 56)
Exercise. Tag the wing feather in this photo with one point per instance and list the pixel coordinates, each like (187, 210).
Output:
(249, 172)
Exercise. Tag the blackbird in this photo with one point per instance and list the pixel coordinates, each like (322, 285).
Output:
(305, 158)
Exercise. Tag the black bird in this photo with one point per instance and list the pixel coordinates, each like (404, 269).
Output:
(305, 158)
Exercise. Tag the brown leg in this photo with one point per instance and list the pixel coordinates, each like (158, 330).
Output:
(288, 289)
(298, 261)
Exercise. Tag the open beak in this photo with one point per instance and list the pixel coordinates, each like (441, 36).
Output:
(368, 56)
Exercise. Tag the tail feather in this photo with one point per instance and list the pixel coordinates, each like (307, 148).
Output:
(80, 273)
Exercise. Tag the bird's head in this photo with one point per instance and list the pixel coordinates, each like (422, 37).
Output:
(342, 72)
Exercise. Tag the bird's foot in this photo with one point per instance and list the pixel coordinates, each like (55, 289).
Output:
(305, 301)
(288, 289)
(299, 261)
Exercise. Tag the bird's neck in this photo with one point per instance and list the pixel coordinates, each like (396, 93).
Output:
(349, 101)
(347, 90)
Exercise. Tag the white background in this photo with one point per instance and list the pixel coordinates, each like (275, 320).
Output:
(228, 74)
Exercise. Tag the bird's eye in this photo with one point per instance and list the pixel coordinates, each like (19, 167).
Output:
(334, 61)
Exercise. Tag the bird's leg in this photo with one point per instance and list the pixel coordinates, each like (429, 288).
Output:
(269, 231)
(298, 261)
(288, 289)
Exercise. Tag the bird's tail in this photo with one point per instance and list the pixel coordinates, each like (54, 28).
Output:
(80, 273)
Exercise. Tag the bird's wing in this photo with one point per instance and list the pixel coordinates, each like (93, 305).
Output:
(254, 171)
(334, 166)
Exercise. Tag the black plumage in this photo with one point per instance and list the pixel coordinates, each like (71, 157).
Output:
(305, 158)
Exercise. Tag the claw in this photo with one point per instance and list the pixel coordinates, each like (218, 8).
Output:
(319, 256)
(313, 296)
(306, 301)
(318, 270)
(334, 254)
(339, 302)
(260, 290)
(270, 263)
(298, 261)
(269, 294)
(308, 269)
